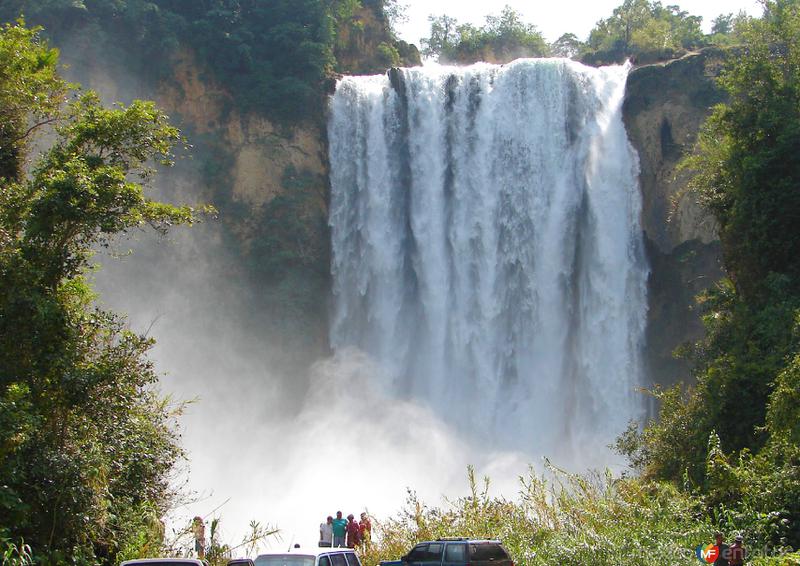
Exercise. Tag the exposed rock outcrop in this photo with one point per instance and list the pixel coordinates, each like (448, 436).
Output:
(665, 106)
(367, 46)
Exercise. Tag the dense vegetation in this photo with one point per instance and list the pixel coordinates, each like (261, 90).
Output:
(270, 56)
(87, 444)
(502, 38)
(643, 30)
(558, 518)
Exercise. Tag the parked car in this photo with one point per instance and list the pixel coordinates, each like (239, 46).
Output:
(165, 562)
(310, 557)
(240, 562)
(455, 552)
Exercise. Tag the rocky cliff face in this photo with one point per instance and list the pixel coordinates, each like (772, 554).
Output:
(664, 107)
(265, 258)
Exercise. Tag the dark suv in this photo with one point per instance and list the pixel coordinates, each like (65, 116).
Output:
(455, 552)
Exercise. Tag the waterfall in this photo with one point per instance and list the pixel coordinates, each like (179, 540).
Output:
(487, 247)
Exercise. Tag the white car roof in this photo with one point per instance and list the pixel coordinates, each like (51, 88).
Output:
(309, 551)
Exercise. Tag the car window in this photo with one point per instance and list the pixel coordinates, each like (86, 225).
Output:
(418, 553)
(352, 559)
(338, 559)
(431, 552)
(324, 561)
(435, 551)
(455, 553)
(486, 552)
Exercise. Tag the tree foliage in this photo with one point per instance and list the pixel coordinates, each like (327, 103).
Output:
(271, 56)
(644, 29)
(31, 94)
(568, 45)
(87, 445)
(725, 29)
(502, 38)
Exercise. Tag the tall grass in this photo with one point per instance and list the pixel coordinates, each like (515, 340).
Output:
(13, 553)
(559, 518)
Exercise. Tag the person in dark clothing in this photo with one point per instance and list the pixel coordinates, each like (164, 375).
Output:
(724, 551)
(738, 552)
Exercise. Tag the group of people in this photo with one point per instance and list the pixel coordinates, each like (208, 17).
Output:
(732, 555)
(350, 533)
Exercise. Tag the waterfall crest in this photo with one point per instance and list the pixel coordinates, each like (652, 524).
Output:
(487, 247)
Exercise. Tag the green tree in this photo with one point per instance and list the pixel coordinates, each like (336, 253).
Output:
(443, 37)
(502, 38)
(783, 413)
(725, 29)
(31, 94)
(395, 11)
(509, 35)
(643, 28)
(87, 445)
(271, 56)
(615, 34)
(722, 24)
(568, 45)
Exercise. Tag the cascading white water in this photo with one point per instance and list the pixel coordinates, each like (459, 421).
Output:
(487, 248)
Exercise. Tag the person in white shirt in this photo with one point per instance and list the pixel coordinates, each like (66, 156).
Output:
(326, 532)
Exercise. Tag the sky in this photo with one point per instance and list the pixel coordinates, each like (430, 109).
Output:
(552, 18)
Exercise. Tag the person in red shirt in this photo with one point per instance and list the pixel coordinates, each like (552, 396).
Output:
(353, 532)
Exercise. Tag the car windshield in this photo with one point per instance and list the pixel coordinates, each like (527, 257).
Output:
(284, 560)
(159, 563)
